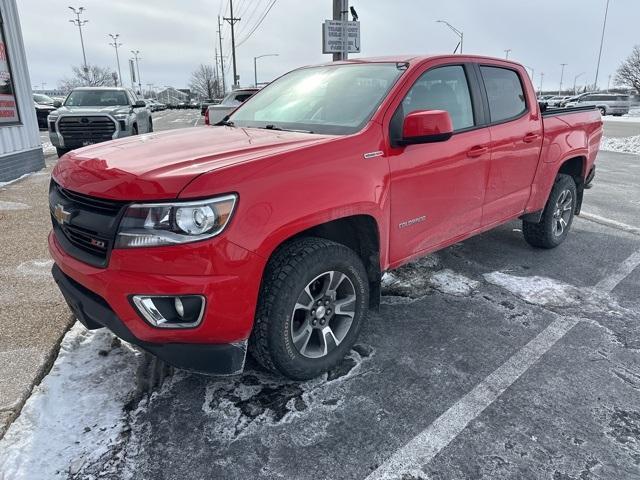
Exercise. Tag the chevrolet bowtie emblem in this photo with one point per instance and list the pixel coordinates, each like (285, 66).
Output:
(61, 215)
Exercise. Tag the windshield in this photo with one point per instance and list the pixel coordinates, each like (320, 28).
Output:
(96, 98)
(42, 98)
(335, 99)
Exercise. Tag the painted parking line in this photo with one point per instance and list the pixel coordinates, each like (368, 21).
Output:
(427, 444)
(608, 222)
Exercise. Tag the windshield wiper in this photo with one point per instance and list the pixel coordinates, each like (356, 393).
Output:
(226, 122)
(275, 127)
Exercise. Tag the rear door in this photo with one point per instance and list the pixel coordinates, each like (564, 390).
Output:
(516, 141)
(437, 189)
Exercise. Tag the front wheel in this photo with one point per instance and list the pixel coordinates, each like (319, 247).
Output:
(311, 308)
(150, 126)
(557, 217)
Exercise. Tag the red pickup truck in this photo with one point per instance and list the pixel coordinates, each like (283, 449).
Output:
(270, 232)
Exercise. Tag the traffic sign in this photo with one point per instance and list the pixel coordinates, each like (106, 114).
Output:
(336, 34)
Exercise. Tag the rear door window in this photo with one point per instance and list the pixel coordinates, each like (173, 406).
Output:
(505, 93)
(442, 88)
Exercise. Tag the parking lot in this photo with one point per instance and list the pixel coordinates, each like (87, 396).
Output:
(489, 359)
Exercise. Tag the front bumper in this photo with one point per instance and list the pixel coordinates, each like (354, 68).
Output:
(93, 312)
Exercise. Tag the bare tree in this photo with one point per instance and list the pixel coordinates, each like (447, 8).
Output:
(95, 76)
(203, 81)
(628, 72)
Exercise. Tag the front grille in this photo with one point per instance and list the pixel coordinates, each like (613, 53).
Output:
(79, 130)
(89, 227)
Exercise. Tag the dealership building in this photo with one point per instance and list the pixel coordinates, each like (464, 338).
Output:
(20, 146)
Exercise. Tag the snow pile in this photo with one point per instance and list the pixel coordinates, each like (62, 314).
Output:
(76, 414)
(452, 283)
(537, 290)
(36, 268)
(47, 148)
(622, 145)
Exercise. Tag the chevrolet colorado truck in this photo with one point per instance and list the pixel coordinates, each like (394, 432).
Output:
(97, 114)
(269, 233)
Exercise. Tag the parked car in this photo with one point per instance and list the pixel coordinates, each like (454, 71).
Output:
(215, 113)
(44, 106)
(205, 104)
(556, 100)
(608, 104)
(96, 114)
(154, 105)
(270, 233)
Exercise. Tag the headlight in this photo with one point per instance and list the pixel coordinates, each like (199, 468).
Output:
(121, 116)
(150, 225)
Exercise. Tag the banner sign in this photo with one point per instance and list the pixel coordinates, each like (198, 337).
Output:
(8, 105)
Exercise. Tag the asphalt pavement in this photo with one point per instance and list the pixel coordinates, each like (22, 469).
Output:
(489, 359)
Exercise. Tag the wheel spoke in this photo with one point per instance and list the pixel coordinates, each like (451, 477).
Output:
(335, 279)
(302, 336)
(305, 300)
(346, 306)
(327, 337)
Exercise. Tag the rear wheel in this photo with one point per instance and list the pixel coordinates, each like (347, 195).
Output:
(61, 151)
(311, 308)
(603, 111)
(557, 217)
(134, 130)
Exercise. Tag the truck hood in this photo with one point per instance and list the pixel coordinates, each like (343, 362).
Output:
(93, 110)
(159, 165)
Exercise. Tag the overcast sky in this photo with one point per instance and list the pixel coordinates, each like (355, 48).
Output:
(174, 36)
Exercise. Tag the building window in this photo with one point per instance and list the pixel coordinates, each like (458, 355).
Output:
(8, 105)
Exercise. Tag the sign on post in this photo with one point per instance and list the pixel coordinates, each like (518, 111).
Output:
(337, 33)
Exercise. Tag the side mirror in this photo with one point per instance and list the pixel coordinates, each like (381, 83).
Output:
(139, 104)
(57, 103)
(426, 126)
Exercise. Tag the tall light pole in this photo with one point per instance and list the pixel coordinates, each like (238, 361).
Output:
(255, 65)
(575, 79)
(604, 26)
(456, 31)
(561, 77)
(506, 53)
(541, 79)
(135, 55)
(80, 23)
(115, 45)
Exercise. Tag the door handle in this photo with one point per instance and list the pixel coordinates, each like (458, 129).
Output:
(477, 151)
(530, 137)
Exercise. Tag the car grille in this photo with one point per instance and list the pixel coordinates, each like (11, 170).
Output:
(89, 227)
(79, 130)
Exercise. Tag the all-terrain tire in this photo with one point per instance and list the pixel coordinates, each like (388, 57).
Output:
(289, 271)
(543, 234)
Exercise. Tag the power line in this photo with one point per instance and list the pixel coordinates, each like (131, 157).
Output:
(248, 19)
(258, 24)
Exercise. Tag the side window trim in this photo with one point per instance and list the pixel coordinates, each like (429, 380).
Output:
(486, 96)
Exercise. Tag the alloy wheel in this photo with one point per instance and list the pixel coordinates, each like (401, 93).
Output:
(562, 213)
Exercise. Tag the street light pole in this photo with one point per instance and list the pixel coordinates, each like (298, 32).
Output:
(561, 77)
(575, 79)
(115, 45)
(135, 55)
(456, 31)
(80, 23)
(255, 65)
(506, 53)
(541, 79)
(604, 26)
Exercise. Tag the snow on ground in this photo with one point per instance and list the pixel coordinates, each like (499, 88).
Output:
(13, 206)
(537, 290)
(47, 148)
(4, 184)
(622, 145)
(448, 281)
(76, 414)
(36, 268)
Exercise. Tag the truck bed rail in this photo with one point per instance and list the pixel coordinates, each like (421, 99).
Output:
(548, 112)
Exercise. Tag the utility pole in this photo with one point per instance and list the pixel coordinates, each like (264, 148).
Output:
(224, 87)
(115, 45)
(217, 76)
(561, 77)
(80, 23)
(575, 79)
(459, 33)
(341, 13)
(150, 90)
(135, 55)
(232, 21)
(506, 53)
(604, 25)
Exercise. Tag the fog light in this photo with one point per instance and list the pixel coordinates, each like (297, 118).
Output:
(163, 311)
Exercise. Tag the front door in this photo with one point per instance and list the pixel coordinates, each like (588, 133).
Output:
(437, 189)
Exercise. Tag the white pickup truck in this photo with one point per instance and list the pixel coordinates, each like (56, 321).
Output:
(216, 113)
